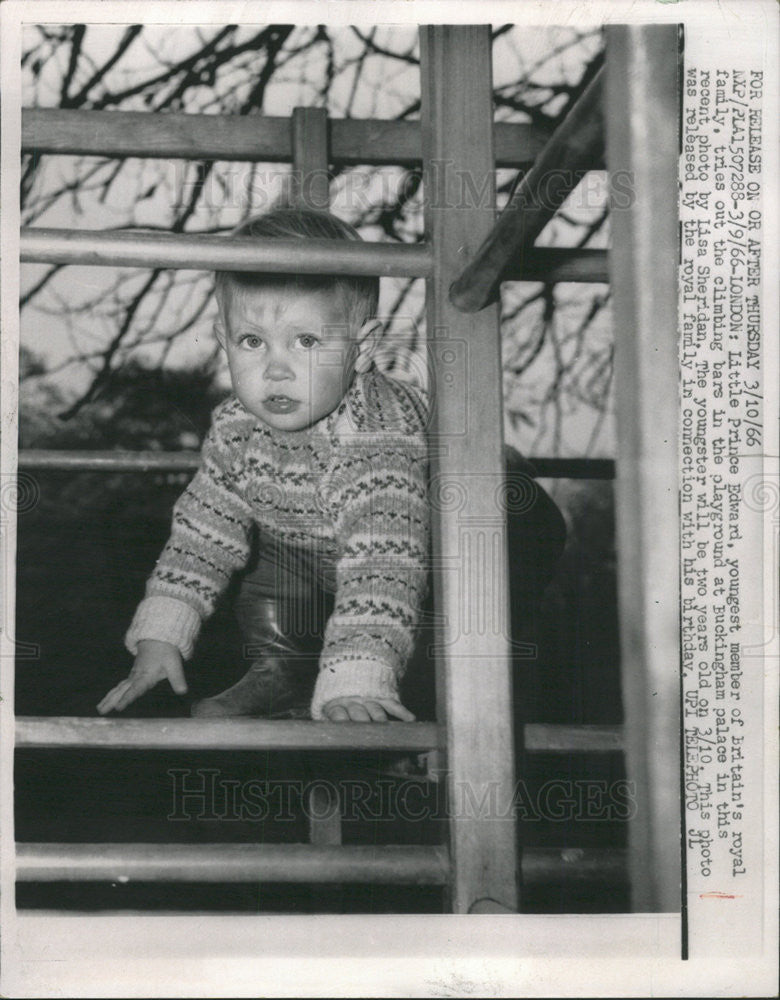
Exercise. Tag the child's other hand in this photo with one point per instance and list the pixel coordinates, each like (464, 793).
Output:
(358, 709)
(153, 663)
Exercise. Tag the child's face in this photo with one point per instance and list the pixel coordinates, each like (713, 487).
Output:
(291, 353)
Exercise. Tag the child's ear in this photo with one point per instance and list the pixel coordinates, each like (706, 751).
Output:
(367, 339)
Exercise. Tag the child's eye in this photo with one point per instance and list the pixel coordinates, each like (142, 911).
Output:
(307, 340)
(250, 340)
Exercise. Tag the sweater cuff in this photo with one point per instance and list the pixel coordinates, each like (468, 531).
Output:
(356, 678)
(167, 620)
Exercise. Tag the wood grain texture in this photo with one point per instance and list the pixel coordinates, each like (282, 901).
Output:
(545, 738)
(124, 248)
(223, 734)
(226, 863)
(230, 863)
(250, 138)
(311, 188)
(642, 112)
(469, 530)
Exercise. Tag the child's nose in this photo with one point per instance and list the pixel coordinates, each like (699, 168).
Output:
(277, 368)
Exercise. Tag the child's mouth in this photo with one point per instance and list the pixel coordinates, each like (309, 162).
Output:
(280, 404)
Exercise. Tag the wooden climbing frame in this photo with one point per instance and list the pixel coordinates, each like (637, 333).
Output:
(456, 137)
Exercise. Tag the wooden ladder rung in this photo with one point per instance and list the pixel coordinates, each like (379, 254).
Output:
(571, 865)
(209, 252)
(118, 460)
(114, 460)
(255, 138)
(264, 734)
(543, 738)
(299, 863)
(224, 734)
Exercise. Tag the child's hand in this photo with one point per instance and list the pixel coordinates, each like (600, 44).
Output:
(358, 709)
(153, 663)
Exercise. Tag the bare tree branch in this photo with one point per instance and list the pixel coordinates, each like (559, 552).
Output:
(370, 44)
(127, 40)
(77, 37)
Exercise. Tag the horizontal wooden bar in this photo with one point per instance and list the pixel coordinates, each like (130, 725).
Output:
(223, 734)
(555, 264)
(574, 865)
(187, 461)
(142, 249)
(575, 147)
(265, 734)
(109, 461)
(544, 738)
(301, 863)
(124, 248)
(252, 138)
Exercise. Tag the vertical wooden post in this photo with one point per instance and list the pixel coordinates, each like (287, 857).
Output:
(323, 811)
(469, 530)
(642, 116)
(310, 189)
(310, 186)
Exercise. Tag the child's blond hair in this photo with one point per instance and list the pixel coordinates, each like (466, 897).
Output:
(360, 295)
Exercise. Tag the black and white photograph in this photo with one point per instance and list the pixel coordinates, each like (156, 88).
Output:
(388, 506)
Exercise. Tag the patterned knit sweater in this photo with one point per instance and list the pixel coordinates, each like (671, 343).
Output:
(353, 485)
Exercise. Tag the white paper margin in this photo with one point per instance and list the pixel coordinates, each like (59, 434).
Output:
(157, 955)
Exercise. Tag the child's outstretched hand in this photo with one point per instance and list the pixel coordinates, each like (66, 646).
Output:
(358, 709)
(153, 663)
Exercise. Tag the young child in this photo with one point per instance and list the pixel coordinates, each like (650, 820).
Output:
(316, 468)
